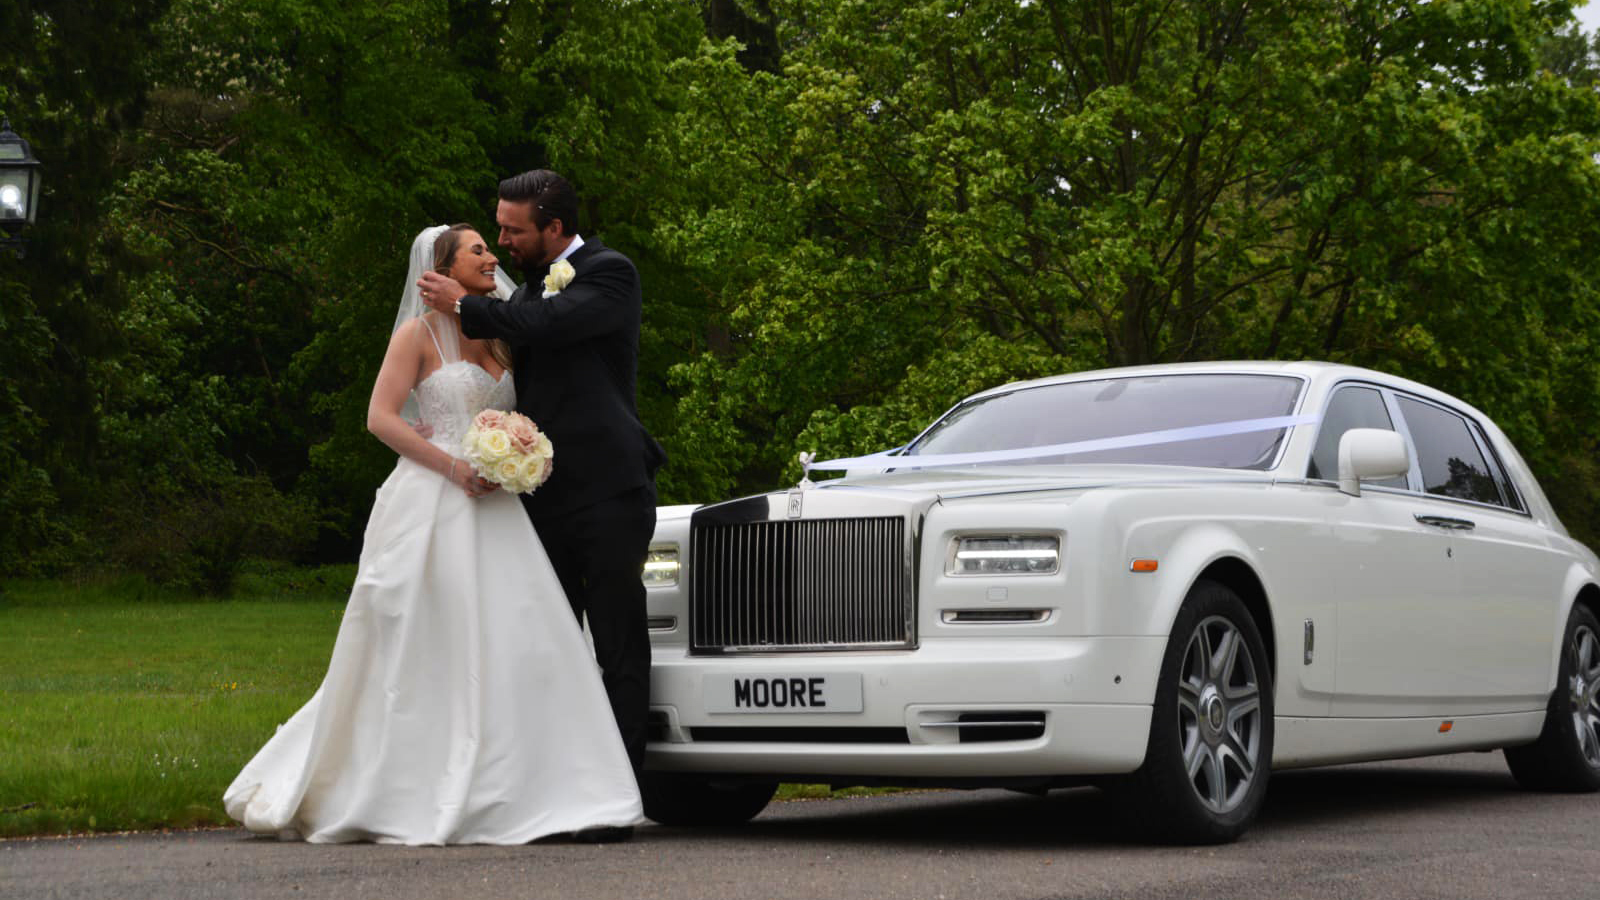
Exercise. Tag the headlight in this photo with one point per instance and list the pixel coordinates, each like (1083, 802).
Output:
(661, 566)
(1005, 554)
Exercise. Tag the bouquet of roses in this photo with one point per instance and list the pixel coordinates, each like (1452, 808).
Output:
(509, 450)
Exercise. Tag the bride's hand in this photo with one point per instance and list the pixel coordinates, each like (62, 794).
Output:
(462, 476)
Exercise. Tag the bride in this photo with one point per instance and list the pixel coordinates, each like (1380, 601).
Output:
(462, 704)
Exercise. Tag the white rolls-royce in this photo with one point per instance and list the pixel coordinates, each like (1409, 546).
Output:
(1166, 581)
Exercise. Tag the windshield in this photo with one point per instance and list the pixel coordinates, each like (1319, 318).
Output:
(1128, 408)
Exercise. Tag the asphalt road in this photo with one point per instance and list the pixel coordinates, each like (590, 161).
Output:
(1452, 828)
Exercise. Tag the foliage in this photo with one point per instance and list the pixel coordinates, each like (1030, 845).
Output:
(847, 216)
(1092, 184)
(269, 190)
(70, 83)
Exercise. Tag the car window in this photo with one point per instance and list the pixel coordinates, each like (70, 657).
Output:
(1452, 465)
(1508, 492)
(1128, 412)
(1351, 407)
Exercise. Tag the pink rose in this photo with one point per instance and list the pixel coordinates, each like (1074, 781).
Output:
(522, 433)
(490, 418)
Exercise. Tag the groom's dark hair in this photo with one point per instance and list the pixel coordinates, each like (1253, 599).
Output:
(551, 195)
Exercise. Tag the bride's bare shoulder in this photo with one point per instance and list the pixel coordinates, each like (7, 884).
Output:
(408, 344)
(411, 333)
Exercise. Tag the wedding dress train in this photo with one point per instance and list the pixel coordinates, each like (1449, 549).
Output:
(462, 704)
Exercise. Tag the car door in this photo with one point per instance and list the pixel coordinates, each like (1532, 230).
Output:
(1390, 577)
(1500, 625)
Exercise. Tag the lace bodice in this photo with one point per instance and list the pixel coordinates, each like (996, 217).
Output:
(455, 392)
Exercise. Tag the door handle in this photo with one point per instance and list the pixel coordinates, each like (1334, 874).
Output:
(1446, 522)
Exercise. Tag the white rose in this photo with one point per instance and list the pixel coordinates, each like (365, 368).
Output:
(504, 471)
(530, 471)
(493, 446)
(561, 275)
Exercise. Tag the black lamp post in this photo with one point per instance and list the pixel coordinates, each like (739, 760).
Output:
(19, 185)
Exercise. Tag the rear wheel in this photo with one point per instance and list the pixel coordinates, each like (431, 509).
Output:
(677, 798)
(1566, 757)
(1210, 752)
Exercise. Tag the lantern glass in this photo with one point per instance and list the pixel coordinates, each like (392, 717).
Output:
(19, 194)
(19, 180)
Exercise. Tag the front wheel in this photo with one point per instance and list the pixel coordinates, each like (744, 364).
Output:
(678, 798)
(1210, 752)
(1566, 757)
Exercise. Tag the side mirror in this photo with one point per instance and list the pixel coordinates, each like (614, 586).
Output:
(1370, 453)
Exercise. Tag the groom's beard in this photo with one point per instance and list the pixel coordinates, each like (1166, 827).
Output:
(530, 262)
(532, 269)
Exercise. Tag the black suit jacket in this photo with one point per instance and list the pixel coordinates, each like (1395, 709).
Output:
(576, 362)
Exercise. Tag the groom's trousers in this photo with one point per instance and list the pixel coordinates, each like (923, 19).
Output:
(598, 552)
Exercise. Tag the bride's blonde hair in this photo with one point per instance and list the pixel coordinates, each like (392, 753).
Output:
(444, 256)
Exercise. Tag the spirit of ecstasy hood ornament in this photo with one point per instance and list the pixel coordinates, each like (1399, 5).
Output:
(806, 458)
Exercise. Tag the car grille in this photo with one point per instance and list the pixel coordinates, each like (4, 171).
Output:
(800, 585)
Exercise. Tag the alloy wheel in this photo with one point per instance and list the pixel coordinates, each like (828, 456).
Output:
(1584, 688)
(1219, 714)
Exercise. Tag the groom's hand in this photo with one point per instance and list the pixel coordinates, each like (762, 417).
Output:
(440, 291)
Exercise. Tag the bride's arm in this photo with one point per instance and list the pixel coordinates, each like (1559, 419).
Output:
(401, 365)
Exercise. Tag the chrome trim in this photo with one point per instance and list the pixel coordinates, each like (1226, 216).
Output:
(993, 616)
(987, 723)
(781, 585)
(1449, 523)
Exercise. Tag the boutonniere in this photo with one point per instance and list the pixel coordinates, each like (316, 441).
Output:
(560, 276)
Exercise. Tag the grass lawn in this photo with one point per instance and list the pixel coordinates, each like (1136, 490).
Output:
(125, 706)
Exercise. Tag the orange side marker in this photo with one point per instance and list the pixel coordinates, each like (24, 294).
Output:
(1445, 726)
(1143, 565)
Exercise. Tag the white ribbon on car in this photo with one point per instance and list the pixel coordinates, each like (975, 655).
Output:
(886, 460)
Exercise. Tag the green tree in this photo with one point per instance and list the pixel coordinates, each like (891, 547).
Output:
(292, 151)
(847, 215)
(933, 197)
(1571, 54)
(72, 83)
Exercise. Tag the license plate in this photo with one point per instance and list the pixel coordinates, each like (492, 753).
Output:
(786, 693)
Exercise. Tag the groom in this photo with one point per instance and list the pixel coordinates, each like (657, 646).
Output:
(576, 355)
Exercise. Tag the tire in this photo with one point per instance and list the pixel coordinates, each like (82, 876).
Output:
(1566, 757)
(1209, 757)
(675, 798)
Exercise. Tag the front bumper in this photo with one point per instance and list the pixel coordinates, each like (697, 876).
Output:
(1092, 695)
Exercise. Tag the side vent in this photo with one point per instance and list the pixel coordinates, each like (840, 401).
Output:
(987, 727)
(992, 616)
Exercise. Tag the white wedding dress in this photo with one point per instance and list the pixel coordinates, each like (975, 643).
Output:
(462, 704)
